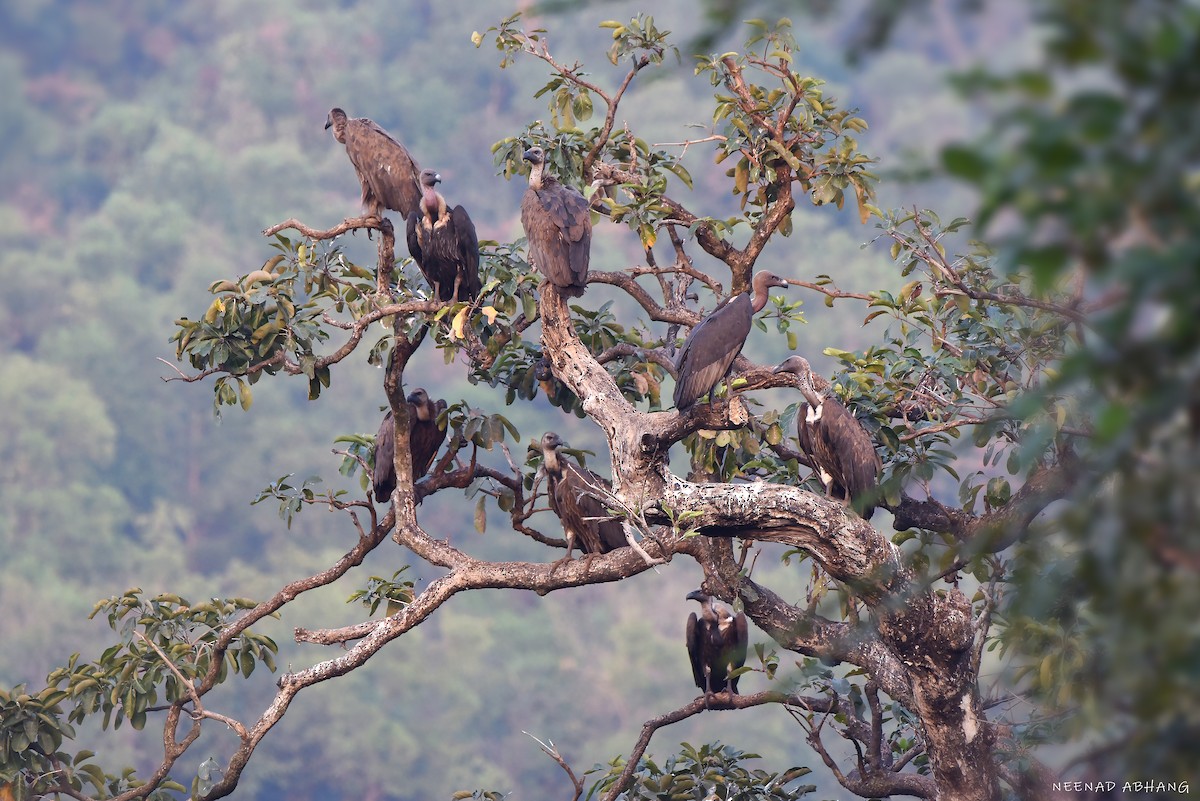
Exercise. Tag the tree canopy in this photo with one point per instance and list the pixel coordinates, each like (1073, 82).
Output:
(1027, 373)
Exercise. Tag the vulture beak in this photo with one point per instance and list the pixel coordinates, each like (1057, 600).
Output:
(697, 595)
(329, 122)
(437, 178)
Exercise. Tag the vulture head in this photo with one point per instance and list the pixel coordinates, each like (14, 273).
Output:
(337, 121)
(432, 203)
(799, 367)
(550, 444)
(430, 178)
(419, 398)
(762, 283)
(537, 159)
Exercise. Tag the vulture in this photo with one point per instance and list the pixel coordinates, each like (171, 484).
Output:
(424, 439)
(385, 168)
(840, 448)
(443, 244)
(709, 350)
(571, 490)
(716, 643)
(558, 226)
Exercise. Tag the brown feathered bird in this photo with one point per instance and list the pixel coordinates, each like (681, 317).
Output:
(711, 347)
(443, 243)
(387, 171)
(572, 491)
(424, 440)
(839, 446)
(558, 226)
(717, 643)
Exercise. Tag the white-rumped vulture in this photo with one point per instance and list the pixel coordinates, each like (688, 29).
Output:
(443, 243)
(710, 348)
(424, 440)
(558, 226)
(716, 643)
(841, 449)
(387, 171)
(572, 491)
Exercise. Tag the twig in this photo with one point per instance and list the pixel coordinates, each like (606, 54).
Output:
(551, 751)
(348, 224)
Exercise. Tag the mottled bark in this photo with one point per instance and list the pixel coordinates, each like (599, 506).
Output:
(916, 643)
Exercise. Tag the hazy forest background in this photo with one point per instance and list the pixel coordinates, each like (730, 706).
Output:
(146, 145)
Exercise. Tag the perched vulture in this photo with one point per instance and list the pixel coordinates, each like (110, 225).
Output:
(443, 244)
(716, 643)
(385, 168)
(841, 449)
(572, 492)
(558, 225)
(424, 439)
(709, 350)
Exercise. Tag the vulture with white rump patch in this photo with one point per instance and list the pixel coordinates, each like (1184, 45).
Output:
(839, 446)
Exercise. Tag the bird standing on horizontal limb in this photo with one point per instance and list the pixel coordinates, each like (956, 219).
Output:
(717, 643)
(572, 492)
(841, 449)
(715, 342)
(558, 227)
(386, 170)
(444, 244)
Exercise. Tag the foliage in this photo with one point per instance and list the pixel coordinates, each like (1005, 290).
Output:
(1064, 347)
(711, 771)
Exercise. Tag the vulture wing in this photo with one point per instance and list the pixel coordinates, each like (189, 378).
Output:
(424, 437)
(412, 225)
(576, 506)
(854, 462)
(737, 643)
(467, 240)
(606, 535)
(387, 171)
(710, 348)
(696, 649)
(558, 225)
(384, 475)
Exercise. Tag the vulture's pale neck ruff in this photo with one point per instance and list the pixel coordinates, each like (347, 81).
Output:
(535, 175)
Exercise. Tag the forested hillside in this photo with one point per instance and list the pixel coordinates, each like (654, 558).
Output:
(147, 145)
